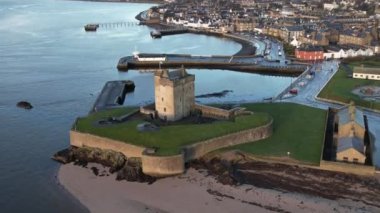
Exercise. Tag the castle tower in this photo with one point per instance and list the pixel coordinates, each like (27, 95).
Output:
(174, 94)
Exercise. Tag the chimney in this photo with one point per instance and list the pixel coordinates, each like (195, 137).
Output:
(183, 72)
(352, 110)
(165, 74)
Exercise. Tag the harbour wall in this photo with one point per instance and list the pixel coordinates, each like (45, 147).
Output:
(276, 70)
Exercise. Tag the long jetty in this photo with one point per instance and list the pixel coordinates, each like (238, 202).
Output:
(237, 63)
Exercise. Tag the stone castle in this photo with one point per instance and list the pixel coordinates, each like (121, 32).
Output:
(174, 94)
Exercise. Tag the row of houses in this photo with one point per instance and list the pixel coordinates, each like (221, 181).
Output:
(316, 53)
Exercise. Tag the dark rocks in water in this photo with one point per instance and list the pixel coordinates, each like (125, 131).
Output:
(215, 94)
(64, 156)
(132, 172)
(24, 105)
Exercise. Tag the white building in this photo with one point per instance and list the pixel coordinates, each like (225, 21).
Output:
(366, 73)
(334, 53)
(295, 42)
(149, 57)
(331, 6)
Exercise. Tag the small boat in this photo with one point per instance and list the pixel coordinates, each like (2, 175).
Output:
(91, 27)
(155, 34)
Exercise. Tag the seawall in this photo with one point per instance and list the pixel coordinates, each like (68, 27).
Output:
(79, 139)
(175, 164)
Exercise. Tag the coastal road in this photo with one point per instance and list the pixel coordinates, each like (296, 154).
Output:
(307, 93)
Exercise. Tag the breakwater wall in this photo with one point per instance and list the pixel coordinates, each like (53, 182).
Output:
(241, 64)
(175, 164)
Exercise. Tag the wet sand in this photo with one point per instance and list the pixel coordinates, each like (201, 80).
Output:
(194, 191)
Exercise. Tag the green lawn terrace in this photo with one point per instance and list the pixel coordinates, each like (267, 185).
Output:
(341, 85)
(297, 129)
(169, 138)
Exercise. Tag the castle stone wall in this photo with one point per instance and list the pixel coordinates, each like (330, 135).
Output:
(163, 165)
(213, 112)
(347, 168)
(79, 139)
(175, 164)
(199, 149)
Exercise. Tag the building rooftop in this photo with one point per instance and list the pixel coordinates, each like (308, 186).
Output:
(350, 142)
(311, 49)
(367, 70)
(351, 113)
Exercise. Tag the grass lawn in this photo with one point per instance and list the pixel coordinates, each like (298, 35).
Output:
(168, 139)
(297, 129)
(340, 86)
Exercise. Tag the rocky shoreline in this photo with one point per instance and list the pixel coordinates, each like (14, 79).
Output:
(235, 169)
(128, 169)
(198, 189)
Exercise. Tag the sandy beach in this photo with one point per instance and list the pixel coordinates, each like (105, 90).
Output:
(190, 192)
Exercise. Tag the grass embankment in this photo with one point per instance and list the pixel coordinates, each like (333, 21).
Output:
(296, 129)
(168, 139)
(340, 86)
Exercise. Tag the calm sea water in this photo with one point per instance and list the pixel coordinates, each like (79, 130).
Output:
(47, 58)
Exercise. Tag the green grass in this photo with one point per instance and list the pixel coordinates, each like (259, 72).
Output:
(340, 86)
(297, 129)
(168, 139)
(289, 49)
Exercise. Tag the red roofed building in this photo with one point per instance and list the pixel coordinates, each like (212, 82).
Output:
(309, 53)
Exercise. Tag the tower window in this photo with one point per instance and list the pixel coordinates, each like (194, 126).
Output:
(162, 98)
(164, 109)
